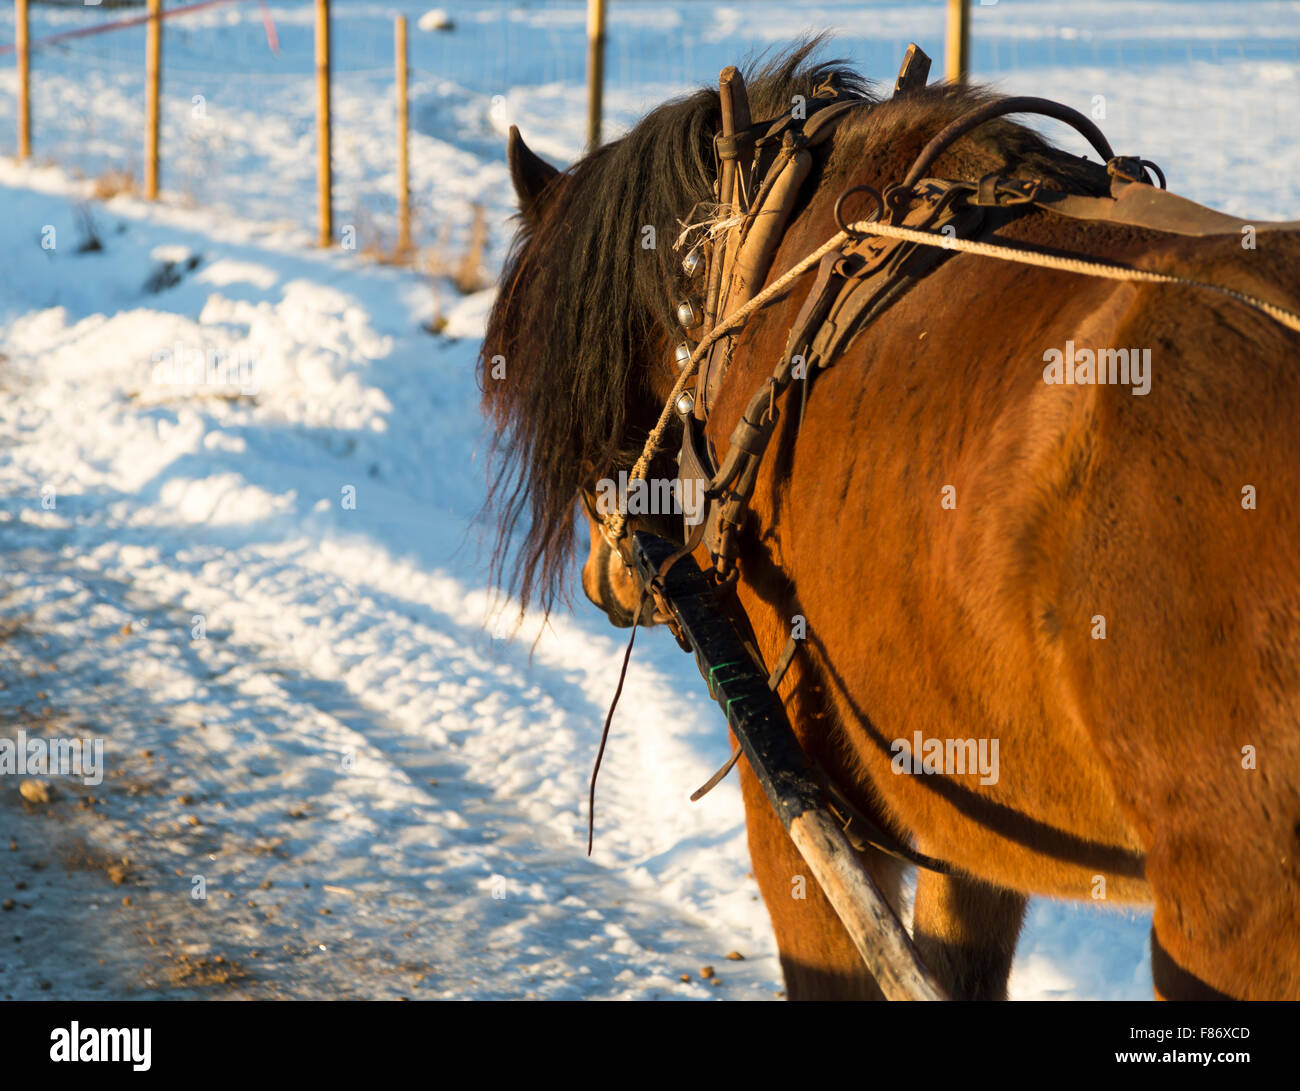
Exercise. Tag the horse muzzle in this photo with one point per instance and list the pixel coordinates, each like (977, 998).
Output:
(609, 584)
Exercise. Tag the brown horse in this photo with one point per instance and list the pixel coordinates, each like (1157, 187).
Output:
(1104, 582)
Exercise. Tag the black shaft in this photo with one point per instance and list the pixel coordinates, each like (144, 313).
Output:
(739, 685)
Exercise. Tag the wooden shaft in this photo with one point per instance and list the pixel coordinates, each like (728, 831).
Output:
(323, 176)
(957, 54)
(595, 69)
(866, 916)
(726, 177)
(754, 256)
(734, 94)
(759, 724)
(153, 80)
(403, 138)
(23, 49)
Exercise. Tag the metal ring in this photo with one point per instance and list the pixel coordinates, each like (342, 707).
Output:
(875, 212)
(1150, 166)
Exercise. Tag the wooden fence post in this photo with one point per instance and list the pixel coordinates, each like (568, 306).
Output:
(23, 49)
(957, 54)
(153, 78)
(595, 69)
(323, 179)
(403, 138)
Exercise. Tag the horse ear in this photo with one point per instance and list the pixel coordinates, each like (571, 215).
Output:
(528, 172)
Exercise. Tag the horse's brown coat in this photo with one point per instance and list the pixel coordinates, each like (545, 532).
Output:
(1121, 759)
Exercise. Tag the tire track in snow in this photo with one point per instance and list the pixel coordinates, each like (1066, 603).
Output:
(251, 729)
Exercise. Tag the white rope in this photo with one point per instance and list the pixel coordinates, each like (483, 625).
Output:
(1083, 266)
(614, 524)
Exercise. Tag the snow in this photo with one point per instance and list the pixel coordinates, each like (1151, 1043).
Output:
(238, 498)
(349, 657)
(436, 19)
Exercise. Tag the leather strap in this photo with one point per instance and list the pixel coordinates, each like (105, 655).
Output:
(878, 271)
(1134, 204)
(1142, 205)
(1016, 104)
(746, 259)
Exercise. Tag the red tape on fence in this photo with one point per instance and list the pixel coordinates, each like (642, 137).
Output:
(272, 38)
(136, 20)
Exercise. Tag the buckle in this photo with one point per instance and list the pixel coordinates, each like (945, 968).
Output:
(1133, 168)
(997, 190)
(735, 146)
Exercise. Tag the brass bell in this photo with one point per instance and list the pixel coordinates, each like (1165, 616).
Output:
(686, 403)
(687, 314)
(682, 355)
(693, 263)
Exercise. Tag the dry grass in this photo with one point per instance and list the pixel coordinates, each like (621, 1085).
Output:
(187, 970)
(83, 856)
(438, 322)
(467, 273)
(152, 395)
(470, 274)
(379, 245)
(90, 240)
(112, 183)
(386, 251)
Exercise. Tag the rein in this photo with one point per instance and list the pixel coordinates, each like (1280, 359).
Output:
(604, 732)
(1084, 266)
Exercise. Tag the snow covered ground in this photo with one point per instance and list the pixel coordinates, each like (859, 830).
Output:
(267, 596)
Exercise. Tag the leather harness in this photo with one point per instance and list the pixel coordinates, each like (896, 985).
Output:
(761, 168)
(858, 283)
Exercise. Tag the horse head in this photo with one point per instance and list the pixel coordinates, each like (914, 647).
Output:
(576, 360)
(578, 354)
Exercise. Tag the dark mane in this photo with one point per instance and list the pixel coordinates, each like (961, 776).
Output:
(581, 300)
(582, 305)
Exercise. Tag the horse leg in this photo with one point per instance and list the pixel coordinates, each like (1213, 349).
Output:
(965, 931)
(818, 958)
(1225, 880)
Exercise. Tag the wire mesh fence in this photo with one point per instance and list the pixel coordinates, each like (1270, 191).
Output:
(1206, 89)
